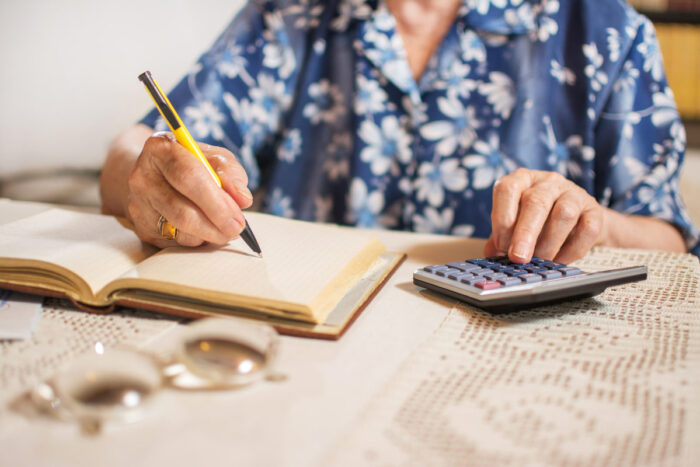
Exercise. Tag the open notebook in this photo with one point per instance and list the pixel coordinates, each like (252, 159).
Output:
(313, 279)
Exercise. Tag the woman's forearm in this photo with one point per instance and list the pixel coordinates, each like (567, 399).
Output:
(121, 157)
(629, 231)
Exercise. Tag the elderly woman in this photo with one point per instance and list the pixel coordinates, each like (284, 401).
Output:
(545, 126)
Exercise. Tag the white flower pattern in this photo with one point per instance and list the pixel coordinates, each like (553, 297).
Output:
(384, 145)
(334, 127)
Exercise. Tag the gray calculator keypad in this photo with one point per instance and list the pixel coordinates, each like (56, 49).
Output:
(499, 272)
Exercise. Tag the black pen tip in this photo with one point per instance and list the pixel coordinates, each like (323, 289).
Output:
(249, 239)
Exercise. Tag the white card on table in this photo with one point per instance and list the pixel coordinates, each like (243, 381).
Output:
(18, 314)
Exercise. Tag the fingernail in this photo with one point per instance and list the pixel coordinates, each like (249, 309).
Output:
(520, 250)
(164, 134)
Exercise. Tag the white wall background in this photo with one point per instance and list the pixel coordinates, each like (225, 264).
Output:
(68, 71)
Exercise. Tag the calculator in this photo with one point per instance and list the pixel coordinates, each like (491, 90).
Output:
(497, 284)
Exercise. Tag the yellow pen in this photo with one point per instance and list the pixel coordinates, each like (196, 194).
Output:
(185, 138)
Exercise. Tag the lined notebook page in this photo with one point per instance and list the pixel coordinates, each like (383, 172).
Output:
(299, 260)
(95, 247)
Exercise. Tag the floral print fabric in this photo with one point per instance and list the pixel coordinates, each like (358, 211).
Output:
(317, 100)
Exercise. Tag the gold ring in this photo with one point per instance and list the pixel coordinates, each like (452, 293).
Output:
(166, 229)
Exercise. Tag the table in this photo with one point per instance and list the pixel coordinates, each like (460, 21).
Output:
(416, 380)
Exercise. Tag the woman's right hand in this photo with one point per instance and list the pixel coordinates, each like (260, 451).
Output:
(167, 180)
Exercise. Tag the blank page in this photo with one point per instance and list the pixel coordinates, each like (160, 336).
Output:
(300, 260)
(95, 247)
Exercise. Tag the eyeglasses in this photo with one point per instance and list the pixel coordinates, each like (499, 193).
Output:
(117, 384)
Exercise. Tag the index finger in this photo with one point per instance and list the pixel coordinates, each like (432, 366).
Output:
(506, 204)
(535, 205)
(234, 179)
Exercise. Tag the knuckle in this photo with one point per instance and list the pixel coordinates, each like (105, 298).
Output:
(521, 172)
(184, 217)
(554, 177)
(590, 199)
(501, 185)
(182, 170)
(219, 161)
(136, 181)
(506, 187)
(153, 145)
(566, 212)
(536, 199)
(592, 226)
(501, 221)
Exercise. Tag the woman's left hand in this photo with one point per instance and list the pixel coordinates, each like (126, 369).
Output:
(543, 214)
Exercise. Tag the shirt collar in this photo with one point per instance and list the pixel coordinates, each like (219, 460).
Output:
(377, 36)
(500, 16)
(495, 16)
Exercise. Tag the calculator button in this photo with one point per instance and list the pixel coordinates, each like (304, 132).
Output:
(478, 261)
(447, 272)
(558, 266)
(471, 280)
(464, 275)
(459, 275)
(536, 269)
(530, 278)
(436, 268)
(516, 272)
(550, 274)
(495, 276)
(464, 266)
(480, 271)
(569, 271)
(488, 285)
(507, 281)
(497, 258)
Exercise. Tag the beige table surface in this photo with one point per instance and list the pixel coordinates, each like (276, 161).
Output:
(304, 420)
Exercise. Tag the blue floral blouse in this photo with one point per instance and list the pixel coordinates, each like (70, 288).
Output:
(317, 100)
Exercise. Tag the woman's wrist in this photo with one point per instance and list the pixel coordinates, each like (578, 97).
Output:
(121, 158)
(607, 237)
(631, 231)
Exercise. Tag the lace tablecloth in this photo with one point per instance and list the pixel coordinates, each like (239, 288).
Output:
(612, 380)
(61, 334)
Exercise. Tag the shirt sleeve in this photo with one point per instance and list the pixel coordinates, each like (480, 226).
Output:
(641, 139)
(236, 94)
